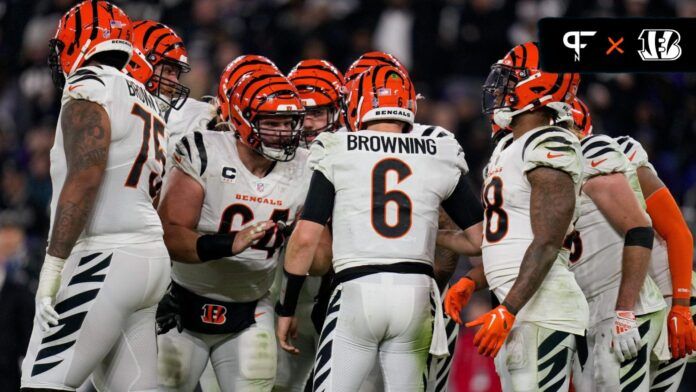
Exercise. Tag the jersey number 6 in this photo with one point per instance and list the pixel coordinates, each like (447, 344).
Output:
(381, 197)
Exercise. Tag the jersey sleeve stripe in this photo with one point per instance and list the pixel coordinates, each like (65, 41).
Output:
(428, 131)
(555, 139)
(87, 77)
(628, 147)
(442, 134)
(83, 71)
(185, 142)
(622, 139)
(587, 140)
(596, 144)
(535, 136)
(600, 152)
(202, 154)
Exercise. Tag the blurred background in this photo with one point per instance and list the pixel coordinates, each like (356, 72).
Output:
(448, 46)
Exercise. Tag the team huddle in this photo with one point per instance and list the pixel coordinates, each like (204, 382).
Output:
(298, 232)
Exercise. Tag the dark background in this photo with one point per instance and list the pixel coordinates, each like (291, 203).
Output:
(448, 46)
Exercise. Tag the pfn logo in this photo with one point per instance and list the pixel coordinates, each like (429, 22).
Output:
(214, 314)
(576, 43)
(660, 45)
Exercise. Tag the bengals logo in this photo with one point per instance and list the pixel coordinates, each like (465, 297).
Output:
(214, 314)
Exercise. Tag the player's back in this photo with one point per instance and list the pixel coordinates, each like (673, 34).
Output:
(388, 188)
(123, 212)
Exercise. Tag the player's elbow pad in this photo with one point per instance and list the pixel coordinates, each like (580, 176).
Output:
(640, 236)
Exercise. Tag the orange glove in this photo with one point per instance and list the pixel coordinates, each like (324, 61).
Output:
(496, 326)
(682, 333)
(458, 296)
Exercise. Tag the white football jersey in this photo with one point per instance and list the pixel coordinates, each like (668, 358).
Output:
(559, 303)
(659, 264)
(430, 131)
(194, 115)
(388, 188)
(123, 213)
(235, 198)
(597, 250)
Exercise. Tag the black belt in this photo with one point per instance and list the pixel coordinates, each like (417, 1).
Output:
(364, 270)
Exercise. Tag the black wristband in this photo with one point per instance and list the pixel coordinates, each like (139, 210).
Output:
(640, 236)
(287, 303)
(510, 308)
(214, 246)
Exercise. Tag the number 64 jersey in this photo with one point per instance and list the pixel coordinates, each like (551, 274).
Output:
(559, 303)
(235, 198)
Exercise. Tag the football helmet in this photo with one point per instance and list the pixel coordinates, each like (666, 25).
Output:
(237, 68)
(380, 93)
(90, 27)
(156, 44)
(371, 59)
(320, 86)
(265, 94)
(575, 116)
(516, 85)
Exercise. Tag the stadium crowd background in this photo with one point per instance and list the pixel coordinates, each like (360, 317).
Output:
(448, 45)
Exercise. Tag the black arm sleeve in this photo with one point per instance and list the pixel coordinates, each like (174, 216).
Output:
(319, 204)
(463, 206)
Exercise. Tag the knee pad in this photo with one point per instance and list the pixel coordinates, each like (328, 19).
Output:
(258, 354)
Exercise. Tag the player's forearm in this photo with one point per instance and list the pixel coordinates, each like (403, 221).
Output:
(536, 264)
(301, 247)
(478, 276)
(323, 256)
(181, 243)
(462, 242)
(634, 268)
(74, 207)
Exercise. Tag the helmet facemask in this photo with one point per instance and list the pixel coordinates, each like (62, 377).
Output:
(279, 141)
(172, 93)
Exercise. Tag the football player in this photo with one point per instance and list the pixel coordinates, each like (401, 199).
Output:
(445, 260)
(106, 266)
(320, 86)
(530, 192)
(664, 268)
(219, 208)
(159, 58)
(382, 189)
(611, 250)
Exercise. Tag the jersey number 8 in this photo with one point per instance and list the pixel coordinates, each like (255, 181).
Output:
(493, 203)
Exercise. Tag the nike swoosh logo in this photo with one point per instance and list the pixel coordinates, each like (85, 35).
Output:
(597, 163)
(632, 156)
(492, 321)
(71, 88)
(551, 156)
(259, 314)
(676, 325)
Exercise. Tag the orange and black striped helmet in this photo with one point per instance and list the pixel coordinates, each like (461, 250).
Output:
(516, 84)
(371, 59)
(266, 94)
(155, 44)
(91, 27)
(581, 117)
(320, 86)
(237, 68)
(378, 94)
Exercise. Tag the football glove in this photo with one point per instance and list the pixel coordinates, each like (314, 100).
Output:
(682, 335)
(49, 283)
(457, 297)
(495, 327)
(625, 336)
(168, 314)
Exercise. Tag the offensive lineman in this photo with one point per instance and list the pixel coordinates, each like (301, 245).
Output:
(530, 193)
(379, 189)
(611, 253)
(248, 179)
(106, 265)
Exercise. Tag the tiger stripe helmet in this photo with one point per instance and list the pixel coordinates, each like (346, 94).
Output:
(378, 94)
(265, 93)
(581, 117)
(371, 59)
(90, 27)
(156, 44)
(516, 84)
(320, 86)
(233, 72)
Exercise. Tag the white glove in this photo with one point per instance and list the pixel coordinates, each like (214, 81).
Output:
(625, 337)
(49, 283)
